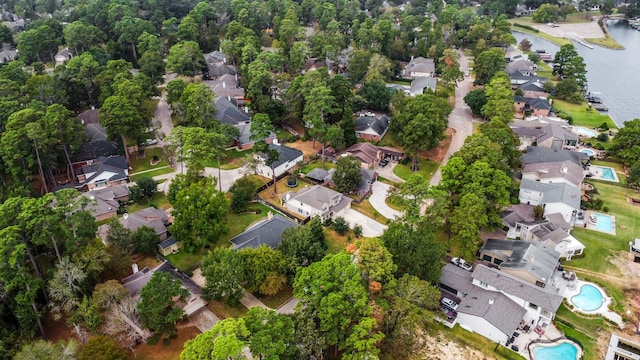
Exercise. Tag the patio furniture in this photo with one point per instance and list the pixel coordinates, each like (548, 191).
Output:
(526, 329)
(515, 334)
(515, 348)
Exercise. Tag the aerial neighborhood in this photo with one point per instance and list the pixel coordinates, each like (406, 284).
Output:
(315, 180)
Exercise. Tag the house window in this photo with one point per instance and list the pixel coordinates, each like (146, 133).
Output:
(300, 210)
(497, 261)
(533, 306)
(101, 183)
(483, 284)
(540, 284)
(486, 258)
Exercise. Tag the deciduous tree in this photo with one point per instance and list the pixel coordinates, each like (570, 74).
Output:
(347, 174)
(157, 307)
(224, 271)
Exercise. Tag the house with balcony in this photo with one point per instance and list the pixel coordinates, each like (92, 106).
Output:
(554, 173)
(317, 200)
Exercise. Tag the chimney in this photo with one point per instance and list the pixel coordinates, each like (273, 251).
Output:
(269, 215)
(224, 85)
(491, 301)
(134, 267)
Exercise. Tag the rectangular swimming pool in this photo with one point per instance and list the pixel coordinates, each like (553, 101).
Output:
(584, 132)
(607, 172)
(604, 223)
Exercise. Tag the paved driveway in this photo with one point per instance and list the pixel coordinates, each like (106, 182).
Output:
(370, 227)
(377, 200)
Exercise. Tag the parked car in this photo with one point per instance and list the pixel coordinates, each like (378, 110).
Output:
(384, 162)
(151, 141)
(461, 263)
(449, 304)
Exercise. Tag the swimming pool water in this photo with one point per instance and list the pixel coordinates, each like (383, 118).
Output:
(564, 351)
(589, 298)
(588, 152)
(607, 173)
(604, 222)
(585, 132)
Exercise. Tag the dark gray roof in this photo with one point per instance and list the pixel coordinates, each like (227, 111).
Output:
(228, 113)
(286, 154)
(269, 232)
(138, 219)
(95, 149)
(557, 235)
(420, 64)
(379, 125)
(89, 117)
(366, 178)
(245, 134)
(494, 307)
(520, 65)
(457, 278)
(532, 256)
(517, 214)
(558, 220)
(166, 243)
(545, 297)
(533, 85)
(556, 132)
(526, 131)
(134, 283)
(565, 193)
(317, 174)
(537, 154)
(535, 103)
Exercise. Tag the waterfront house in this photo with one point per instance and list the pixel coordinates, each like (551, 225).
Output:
(563, 198)
(535, 154)
(554, 172)
(532, 106)
(522, 67)
(556, 137)
(317, 200)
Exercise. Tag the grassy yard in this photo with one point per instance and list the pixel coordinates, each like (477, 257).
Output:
(426, 168)
(366, 208)
(232, 159)
(316, 164)
(601, 246)
(392, 204)
(335, 241)
(158, 200)
(581, 116)
(224, 311)
(391, 140)
(478, 342)
(278, 299)
(584, 329)
(144, 163)
(152, 173)
(552, 39)
(161, 351)
(236, 223)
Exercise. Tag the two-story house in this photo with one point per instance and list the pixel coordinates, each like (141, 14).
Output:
(288, 157)
(419, 67)
(317, 200)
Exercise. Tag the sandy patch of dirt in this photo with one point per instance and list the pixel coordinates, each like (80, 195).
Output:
(306, 147)
(437, 154)
(589, 30)
(440, 347)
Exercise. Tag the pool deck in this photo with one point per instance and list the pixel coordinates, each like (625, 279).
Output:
(551, 343)
(595, 172)
(574, 289)
(591, 226)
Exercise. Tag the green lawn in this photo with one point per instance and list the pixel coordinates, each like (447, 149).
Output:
(600, 246)
(316, 164)
(582, 328)
(185, 261)
(158, 200)
(391, 140)
(366, 208)
(581, 116)
(479, 342)
(426, 168)
(232, 159)
(152, 173)
(278, 299)
(143, 164)
(224, 311)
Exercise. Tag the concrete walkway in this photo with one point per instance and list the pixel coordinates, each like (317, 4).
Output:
(249, 301)
(387, 172)
(460, 119)
(288, 307)
(379, 193)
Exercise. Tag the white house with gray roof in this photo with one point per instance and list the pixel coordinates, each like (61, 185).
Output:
(317, 200)
(419, 67)
(554, 172)
(563, 198)
(288, 158)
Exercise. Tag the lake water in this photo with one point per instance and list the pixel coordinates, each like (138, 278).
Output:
(615, 74)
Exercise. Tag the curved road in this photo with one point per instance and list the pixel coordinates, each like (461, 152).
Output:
(460, 119)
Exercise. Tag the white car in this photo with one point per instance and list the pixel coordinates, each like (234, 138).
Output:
(461, 263)
(449, 304)
(151, 141)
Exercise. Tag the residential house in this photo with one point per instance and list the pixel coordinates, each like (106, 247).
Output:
(226, 86)
(317, 200)
(89, 153)
(537, 154)
(103, 172)
(371, 128)
(368, 154)
(169, 246)
(532, 88)
(104, 202)
(157, 219)
(495, 303)
(228, 113)
(398, 87)
(556, 137)
(552, 231)
(92, 127)
(622, 349)
(555, 172)
(62, 56)
(419, 84)
(522, 67)
(513, 53)
(7, 55)
(362, 189)
(419, 67)
(267, 232)
(288, 158)
(217, 66)
(531, 261)
(135, 282)
(523, 10)
(532, 106)
(527, 136)
(563, 197)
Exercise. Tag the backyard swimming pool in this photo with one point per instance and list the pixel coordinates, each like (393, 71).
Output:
(604, 222)
(607, 172)
(588, 152)
(562, 351)
(589, 298)
(584, 131)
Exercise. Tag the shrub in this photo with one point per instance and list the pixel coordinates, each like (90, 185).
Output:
(531, 28)
(605, 209)
(341, 226)
(604, 126)
(603, 137)
(357, 230)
